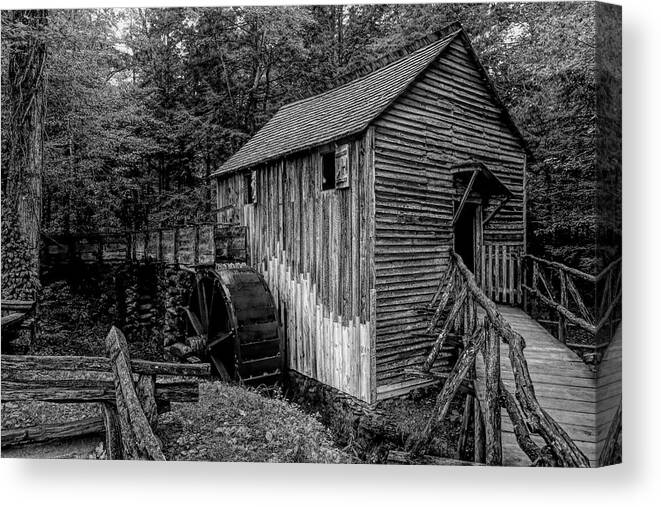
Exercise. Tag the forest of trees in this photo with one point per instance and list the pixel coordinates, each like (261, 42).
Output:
(141, 105)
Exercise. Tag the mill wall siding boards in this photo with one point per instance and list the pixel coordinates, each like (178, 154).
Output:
(313, 247)
(447, 117)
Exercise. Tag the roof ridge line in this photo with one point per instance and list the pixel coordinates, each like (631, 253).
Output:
(384, 61)
(361, 70)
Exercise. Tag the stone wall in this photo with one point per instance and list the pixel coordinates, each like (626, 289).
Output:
(352, 421)
(144, 276)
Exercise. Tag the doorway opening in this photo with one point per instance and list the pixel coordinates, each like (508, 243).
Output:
(468, 235)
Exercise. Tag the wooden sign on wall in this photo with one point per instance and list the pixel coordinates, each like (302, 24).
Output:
(342, 166)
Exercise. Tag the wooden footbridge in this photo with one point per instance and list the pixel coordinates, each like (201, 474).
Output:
(581, 400)
(558, 411)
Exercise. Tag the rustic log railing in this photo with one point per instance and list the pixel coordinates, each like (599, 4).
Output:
(128, 391)
(588, 302)
(475, 316)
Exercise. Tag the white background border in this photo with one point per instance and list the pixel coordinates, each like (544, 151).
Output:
(636, 482)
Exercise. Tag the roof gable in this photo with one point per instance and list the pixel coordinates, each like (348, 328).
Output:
(347, 109)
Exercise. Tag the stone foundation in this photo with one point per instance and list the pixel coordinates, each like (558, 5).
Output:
(353, 422)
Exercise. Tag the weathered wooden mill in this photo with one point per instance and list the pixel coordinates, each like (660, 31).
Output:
(352, 198)
(357, 201)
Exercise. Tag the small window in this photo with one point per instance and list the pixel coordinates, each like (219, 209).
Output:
(328, 170)
(250, 186)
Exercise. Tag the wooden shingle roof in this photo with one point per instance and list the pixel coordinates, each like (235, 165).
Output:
(337, 113)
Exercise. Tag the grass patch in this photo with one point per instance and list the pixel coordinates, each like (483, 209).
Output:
(233, 423)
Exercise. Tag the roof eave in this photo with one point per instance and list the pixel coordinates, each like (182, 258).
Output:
(289, 153)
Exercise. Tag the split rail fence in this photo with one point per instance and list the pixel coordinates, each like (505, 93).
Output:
(131, 392)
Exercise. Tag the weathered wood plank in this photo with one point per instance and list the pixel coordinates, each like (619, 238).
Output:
(138, 439)
(52, 432)
(16, 364)
(491, 352)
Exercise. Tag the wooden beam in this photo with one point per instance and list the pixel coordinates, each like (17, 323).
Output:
(465, 424)
(12, 318)
(146, 390)
(491, 352)
(438, 344)
(86, 391)
(443, 302)
(138, 439)
(568, 314)
(447, 277)
(113, 430)
(502, 203)
(12, 365)
(523, 438)
(16, 305)
(12, 437)
(576, 272)
(478, 432)
(417, 442)
(464, 198)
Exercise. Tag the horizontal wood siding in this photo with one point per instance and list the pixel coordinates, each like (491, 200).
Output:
(314, 248)
(447, 117)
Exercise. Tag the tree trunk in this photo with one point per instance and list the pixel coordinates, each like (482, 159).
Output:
(27, 58)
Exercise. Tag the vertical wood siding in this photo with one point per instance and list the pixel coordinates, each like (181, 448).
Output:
(314, 249)
(501, 276)
(445, 118)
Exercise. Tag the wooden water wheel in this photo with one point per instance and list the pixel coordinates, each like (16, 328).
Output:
(230, 320)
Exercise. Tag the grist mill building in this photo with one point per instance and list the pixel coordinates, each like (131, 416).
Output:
(352, 198)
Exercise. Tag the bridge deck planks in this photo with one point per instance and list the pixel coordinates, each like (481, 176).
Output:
(581, 401)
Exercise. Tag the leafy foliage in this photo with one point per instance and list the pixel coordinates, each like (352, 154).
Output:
(144, 104)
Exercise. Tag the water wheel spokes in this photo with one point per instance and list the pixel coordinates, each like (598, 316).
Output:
(229, 320)
(220, 338)
(203, 302)
(207, 319)
(220, 368)
(194, 322)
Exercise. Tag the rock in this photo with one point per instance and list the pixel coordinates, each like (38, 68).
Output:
(180, 350)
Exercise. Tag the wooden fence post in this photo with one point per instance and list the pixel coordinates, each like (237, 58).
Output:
(494, 452)
(113, 431)
(478, 432)
(418, 442)
(138, 439)
(146, 390)
(562, 323)
(465, 425)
